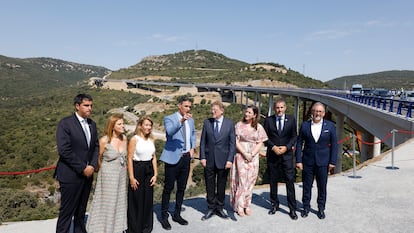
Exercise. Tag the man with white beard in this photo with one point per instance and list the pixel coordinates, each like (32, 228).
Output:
(317, 157)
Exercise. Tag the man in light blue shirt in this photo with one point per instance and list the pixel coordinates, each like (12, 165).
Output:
(177, 154)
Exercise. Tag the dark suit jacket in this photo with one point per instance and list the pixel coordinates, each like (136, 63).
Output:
(321, 153)
(287, 137)
(74, 154)
(218, 152)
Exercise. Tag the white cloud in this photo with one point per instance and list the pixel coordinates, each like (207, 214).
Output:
(166, 38)
(348, 52)
(378, 23)
(125, 43)
(328, 34)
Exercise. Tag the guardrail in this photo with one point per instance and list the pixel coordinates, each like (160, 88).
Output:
(398, 107)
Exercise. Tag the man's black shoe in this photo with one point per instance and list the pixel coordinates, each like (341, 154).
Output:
(321, 214)
(273, 210)
(208, 215)
(293, 215)
(165, 224)
(304, 213)
(179, 219)
(221, 214)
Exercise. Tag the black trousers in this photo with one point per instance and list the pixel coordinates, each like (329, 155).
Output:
(141, 201)
(175, 173)
(321, 176)
(215, 187)
(282, 170)
(73, 202)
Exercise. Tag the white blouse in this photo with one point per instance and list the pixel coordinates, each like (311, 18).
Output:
(144, 149)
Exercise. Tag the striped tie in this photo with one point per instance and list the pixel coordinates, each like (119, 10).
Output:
(216, 129)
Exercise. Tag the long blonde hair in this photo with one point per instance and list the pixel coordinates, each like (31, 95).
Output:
(110, 124)
(138, 128)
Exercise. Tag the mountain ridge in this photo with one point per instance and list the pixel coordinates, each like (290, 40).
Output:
(32, 76)
(392, 79)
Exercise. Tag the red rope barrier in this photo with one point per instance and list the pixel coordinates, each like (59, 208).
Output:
(339, 142)
(404, 131)
(344, 140)
(372, 143)
(27, 172)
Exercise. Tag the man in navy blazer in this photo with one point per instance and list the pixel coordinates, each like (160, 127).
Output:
(217, 150)
(317, 157)
(279, 155)
(78, 147)
(177, 154)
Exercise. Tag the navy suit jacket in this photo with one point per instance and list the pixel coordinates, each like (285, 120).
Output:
(286, 138)
(321, 153)
(221, 150)
(174, 145)
(74, 153)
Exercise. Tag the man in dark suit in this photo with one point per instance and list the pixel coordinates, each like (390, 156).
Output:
(318, 156)
(217, 150)
(78, 148)
(177, 154)
(281, 131)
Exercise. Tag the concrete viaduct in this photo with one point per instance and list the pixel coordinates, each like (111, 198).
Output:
(377, 122)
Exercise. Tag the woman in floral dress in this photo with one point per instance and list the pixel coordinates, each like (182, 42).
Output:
(250, 136)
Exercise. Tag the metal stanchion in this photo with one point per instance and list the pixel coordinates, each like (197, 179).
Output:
(392, 151)
(354, 159)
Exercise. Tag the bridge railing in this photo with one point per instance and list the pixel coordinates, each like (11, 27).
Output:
(393, 105)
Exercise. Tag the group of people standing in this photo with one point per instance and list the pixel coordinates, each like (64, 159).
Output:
(225, 148)
(114, 208)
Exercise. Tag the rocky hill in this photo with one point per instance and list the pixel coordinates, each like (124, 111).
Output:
(31, 76)
(203, 66)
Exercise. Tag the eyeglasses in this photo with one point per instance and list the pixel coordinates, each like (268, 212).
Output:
(318, 111)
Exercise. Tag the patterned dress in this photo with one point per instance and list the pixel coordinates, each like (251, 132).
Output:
(244, 174)
(108, 212)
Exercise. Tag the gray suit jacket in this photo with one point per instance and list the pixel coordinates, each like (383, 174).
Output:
(221, 150)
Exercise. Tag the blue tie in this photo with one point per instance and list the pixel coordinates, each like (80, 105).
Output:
(185, 137)
(279, 124)
(216, 129)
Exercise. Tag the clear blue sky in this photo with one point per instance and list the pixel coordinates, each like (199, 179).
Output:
(324, 39)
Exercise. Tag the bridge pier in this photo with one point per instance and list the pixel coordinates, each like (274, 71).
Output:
(367, 149)
(296, 112)
(270, 107)
(339, 134)
(377, 147)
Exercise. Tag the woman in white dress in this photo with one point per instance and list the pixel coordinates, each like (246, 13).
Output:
(108, 212)
(142, 170)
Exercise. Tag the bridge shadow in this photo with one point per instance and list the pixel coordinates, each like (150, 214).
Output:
(263, 200)
(199, 204)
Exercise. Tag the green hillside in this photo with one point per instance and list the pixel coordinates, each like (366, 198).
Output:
(202, 66)
(395, 79)
(32, 76)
